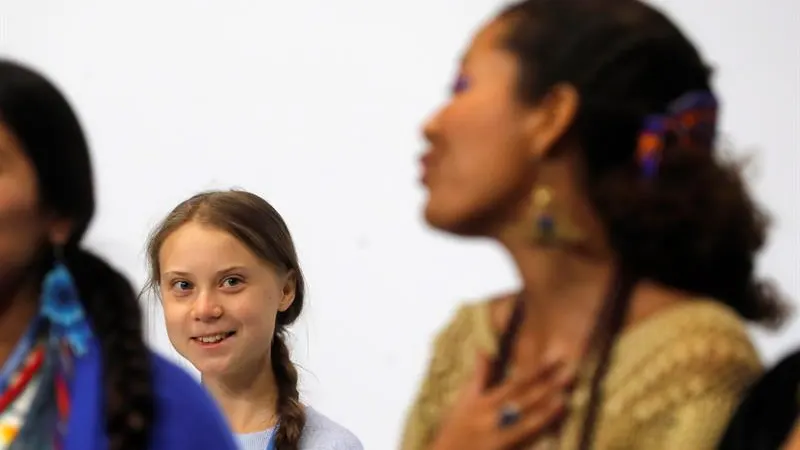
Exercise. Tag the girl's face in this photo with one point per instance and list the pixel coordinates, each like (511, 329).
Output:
(220, 300)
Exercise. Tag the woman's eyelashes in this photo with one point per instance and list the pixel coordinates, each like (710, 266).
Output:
(460, 84)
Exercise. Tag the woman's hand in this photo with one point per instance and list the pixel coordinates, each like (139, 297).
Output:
(504, 417)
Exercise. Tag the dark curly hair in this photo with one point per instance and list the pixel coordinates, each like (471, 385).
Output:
(693, 227)
(255, 223)
(42, 120)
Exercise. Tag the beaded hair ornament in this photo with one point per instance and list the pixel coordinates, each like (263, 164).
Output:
(690, 122)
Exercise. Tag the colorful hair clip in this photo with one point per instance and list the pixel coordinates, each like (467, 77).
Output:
(691, 120)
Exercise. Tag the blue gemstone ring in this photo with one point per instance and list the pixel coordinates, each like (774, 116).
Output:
(509, 415)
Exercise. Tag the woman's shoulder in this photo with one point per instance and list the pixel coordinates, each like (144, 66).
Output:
(695, 344)
(698, 326)
(469, 331)
(322, 433)
(456, 345)
(703, 313)
(676, 376)
(176, 393)
(473, 324)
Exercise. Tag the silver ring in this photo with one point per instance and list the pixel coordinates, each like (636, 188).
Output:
(509, 415)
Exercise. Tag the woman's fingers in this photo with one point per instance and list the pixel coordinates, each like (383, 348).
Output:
(483, 367)
(556, 376)
(523, 380)
(520, 410)
(539, 400)
(534, 421)
(535, 396)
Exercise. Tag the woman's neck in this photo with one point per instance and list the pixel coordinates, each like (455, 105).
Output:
(563, 285)
(18, 307)
(248, 398)
(563, 294)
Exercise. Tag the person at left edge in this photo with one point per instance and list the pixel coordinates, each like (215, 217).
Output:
(76, 373)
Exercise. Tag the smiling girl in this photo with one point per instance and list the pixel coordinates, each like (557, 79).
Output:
(226, 269)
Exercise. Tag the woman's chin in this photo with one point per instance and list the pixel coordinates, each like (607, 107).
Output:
(438, 218)
(450, 222)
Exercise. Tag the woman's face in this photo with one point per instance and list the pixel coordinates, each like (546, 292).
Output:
(23, 225)
(478, 162)
(220, 300)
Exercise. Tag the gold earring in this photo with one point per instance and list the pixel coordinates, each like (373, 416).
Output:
(552, 227)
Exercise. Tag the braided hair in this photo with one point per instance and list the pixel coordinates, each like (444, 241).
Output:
(256, 224)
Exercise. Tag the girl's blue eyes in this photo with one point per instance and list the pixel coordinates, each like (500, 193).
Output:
(229, 282)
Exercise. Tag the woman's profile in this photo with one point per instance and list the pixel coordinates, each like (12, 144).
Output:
(580, 136)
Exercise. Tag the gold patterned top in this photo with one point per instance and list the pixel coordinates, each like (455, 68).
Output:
(673, 382)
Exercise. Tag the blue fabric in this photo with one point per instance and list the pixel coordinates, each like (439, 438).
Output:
(62, 307)
(319, 433)
(186, 416)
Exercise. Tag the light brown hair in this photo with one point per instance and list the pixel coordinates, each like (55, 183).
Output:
(257, 225)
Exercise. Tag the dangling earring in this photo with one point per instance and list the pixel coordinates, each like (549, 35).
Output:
(551, 227)
(62, 307)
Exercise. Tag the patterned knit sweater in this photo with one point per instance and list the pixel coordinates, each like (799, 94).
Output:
(673, 382)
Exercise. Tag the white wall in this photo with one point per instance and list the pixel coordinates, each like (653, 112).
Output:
(316, 105)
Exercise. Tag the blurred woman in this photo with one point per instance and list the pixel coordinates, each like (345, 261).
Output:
(580, 136)
(76, 374)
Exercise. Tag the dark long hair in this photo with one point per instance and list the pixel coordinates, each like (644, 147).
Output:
(42, 120)
(695, 226)
(256, 224)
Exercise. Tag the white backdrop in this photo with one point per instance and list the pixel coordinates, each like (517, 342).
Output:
(316, 106)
